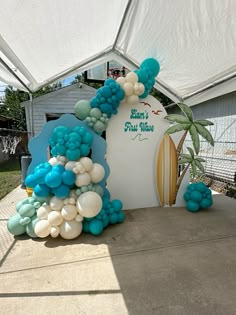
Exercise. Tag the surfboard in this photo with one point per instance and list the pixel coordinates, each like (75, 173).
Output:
(166, 171)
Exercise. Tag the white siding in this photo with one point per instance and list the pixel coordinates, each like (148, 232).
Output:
(61, 101)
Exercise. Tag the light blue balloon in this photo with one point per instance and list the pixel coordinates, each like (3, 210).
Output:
(30, 227)
(27, 210)
(53, 179)
(82, 109)
(14, 226)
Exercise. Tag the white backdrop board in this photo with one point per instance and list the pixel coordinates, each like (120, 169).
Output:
(133, 137)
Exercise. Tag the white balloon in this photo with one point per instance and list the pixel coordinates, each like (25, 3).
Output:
(62, 159)
(97, 173)
(73, 194)
(56, 203)
(82, 179)
(131, 77)
(79, 218)
(42, 228)
(43, 211)
(55, 218)
(55, 231)
(69, 212)
(132, 100)
(72, 201)
(128, 89)
(70, 229)
(69, 165)
(89, 204)
(139, 88)
(53, 161)
(87, 163)
(121, 81)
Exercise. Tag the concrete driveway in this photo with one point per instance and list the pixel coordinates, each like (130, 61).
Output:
(159, 261)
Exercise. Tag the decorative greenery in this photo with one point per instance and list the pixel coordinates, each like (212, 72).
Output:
(195, 128)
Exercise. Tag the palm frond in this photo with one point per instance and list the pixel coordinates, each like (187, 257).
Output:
(204, 122)
(194, 169)
(199, 165)
(184, 161)
(200, 159)
(177, 118)
(204, 133)
(195, 138)
(190, 150)
(177, 127)
(185, 155)
(186, 110)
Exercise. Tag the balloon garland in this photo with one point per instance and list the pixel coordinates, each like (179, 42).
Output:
(67, 196)
(198, 196)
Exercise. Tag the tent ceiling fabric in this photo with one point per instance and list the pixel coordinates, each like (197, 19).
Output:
(194, 42)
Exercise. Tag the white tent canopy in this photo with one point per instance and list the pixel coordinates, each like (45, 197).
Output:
(42, 41)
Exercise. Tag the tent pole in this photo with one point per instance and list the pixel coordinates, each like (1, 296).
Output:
(14, 74)
(32, 115)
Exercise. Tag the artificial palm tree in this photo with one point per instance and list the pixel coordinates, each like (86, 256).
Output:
(189, 159)
(194, 127)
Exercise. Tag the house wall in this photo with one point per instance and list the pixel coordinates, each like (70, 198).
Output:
(61, 101)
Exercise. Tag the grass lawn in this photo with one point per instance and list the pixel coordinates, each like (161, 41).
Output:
(10, 176)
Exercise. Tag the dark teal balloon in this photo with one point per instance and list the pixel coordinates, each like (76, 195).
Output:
(68, 177)
(201, 187)
(186, 196)
(206, 203)
(193, 206)
(117, 205)
(152, 65)
(196, 196)
(95, 227)
(84, 149)
(42, 190)
(105, 221)
(113, 219)
(86, 226)
(62, 191)
(120, 217)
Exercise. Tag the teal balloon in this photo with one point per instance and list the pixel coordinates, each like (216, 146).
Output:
(191, 187)
(120, 217)
(58, 168)
(87, 138)
(206, 203)
(31, 225)
(142, 75)
(186, 196)
(14, 226)
(196, 196)
(86, 226)
(31, 181)
(53, 179)
(113, 218)
(68, 177)
(73, 155)
(145, 94)
(95, 112)
(42, 190)
(95, 227)
(152, 65)
(117, 205)
(193, 206)
(27, 211)
(105, 221)
(62, 191)
(84, 149)
(201, 187)
(82, 109)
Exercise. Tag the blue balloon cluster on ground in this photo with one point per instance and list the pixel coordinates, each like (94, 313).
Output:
(47, 180)
(147, 72)
(72, 144)
(111, 213)
(198, 196)
(108, 97)
(26, 217)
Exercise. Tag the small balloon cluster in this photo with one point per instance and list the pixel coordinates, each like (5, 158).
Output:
(111, 213)
(72, 144)
(65, 191)
(198, 196)
(127, 89)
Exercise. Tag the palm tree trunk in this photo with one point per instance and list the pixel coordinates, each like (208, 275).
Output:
(181, 178)
(180, 145)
